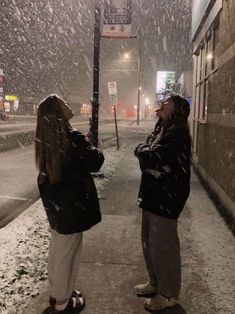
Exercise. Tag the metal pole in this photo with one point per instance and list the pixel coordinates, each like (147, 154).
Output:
(138, 104)
(139, 83)
(116, 127)
(145, 110)
(94, 121)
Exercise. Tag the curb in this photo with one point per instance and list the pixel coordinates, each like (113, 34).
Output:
(16, 139)
(12, 140)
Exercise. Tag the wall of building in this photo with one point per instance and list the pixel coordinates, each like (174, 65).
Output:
(213, 122)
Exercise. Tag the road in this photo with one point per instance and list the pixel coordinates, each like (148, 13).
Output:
(25, 123)
(18, 173)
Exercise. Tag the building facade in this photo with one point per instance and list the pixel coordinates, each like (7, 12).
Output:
(213, 108)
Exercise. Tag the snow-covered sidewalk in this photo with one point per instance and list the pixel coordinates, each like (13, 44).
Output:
(24, 248)
(112, 261)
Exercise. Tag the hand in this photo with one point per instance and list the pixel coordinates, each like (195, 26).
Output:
(138, 148)
(88, 136)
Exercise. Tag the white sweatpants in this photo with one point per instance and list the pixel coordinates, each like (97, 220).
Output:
(161, 248)
(63, 263)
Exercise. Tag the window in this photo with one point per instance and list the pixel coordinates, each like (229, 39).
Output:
(215, 44)
(204, 117)
(209, 56)
(205, 65)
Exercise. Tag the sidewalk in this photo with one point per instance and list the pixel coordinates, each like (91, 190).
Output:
(112, 261)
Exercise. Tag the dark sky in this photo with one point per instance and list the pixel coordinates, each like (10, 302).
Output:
(47, 46)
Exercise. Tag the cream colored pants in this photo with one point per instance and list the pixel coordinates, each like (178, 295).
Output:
(161, 248)
(63, 263)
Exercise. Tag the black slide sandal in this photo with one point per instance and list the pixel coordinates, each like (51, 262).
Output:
(75, 305)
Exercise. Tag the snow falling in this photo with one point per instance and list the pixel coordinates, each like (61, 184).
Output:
(46, 47)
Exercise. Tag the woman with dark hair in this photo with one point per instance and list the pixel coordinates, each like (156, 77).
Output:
(165, 185)
(65, 158)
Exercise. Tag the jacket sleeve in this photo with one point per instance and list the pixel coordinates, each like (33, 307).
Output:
(91, 156)
(158, 154)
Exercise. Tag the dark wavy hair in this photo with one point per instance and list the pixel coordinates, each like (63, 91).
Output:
(51, 140)
(179, 118)
(182, 107)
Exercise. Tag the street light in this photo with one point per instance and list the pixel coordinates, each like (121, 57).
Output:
(139, 77)
(94, 120)
(209, 56)
(126, 56)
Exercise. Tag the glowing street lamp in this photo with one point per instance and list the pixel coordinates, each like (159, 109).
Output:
(147, 100)
(209, 56)
(146, 106)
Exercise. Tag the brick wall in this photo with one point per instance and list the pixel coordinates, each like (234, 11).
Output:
(227, 30)
(217, 137)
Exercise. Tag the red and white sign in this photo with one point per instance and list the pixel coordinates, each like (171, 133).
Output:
(117, 18)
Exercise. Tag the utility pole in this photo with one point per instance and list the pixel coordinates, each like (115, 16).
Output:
(94, 121)
(139, 82)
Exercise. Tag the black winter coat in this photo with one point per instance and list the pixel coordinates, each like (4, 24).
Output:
(72, 205)
(165, 164)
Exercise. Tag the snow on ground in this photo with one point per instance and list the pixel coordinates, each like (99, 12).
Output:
(24, 248)
(215, 245)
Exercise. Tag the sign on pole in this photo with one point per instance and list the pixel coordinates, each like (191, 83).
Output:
(117, 18)
(113, 99)
(112, 87)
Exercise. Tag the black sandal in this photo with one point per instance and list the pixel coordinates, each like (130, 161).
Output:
(75, 305)
(75, 293)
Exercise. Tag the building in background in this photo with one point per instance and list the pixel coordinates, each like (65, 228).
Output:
(1, 90)
(213, 108)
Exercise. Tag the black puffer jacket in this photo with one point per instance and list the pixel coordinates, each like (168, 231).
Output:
(72, 205)
(165, 164)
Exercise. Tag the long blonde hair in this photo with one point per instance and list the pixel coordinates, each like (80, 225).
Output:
(52, 139)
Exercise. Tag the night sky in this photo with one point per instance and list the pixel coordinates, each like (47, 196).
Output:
(47, 46)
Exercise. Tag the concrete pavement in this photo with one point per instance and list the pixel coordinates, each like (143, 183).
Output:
(112, 261)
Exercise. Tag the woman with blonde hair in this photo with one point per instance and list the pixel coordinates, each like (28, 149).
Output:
(65, 158)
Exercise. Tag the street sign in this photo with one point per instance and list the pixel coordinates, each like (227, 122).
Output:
(11, 97)
(112, 86)
(117, 18)
(113, 99)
